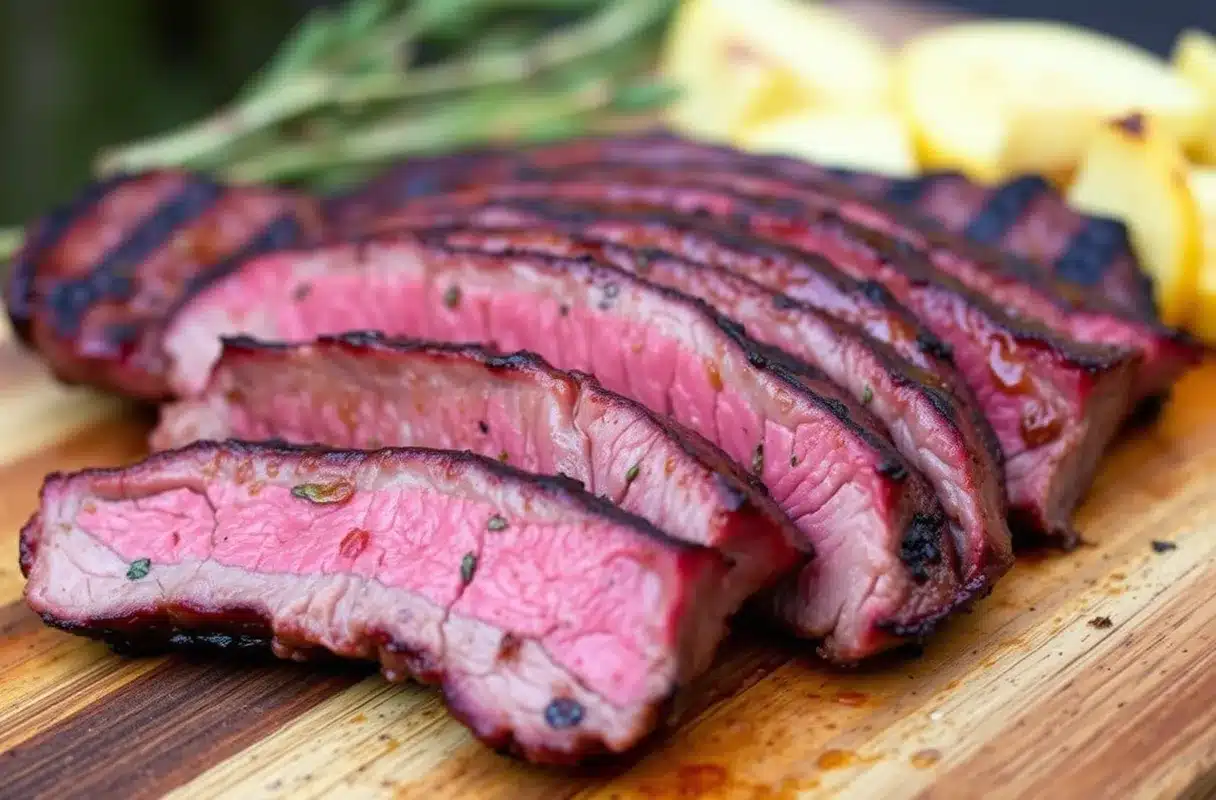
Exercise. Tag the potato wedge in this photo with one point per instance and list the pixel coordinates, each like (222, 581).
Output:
(1134, 170)
(1203, 316)
(833, 59)
(999, 98)
(727, 83)
(873, 140)
(1195, 58)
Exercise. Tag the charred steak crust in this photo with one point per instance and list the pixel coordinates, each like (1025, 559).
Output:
(537, 291)
(44, 236)
(95, 280)
(983, 544)
(1078, 428)
(576, 723)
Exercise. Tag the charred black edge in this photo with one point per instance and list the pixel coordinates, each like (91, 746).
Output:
(43, 235)
(661, 149)
(785, 368)
(112, 276)
(912, 261)
(921, 629)
(692, 154)
(572, 215)
(153, 633)
(283, 232)
(739, 491)
(555, 486)
(1003, 208)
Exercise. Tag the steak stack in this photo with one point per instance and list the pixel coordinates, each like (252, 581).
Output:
(729, 381)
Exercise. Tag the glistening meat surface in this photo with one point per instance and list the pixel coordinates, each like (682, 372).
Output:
(363, 390)
(1053, 402)
(885, 567)
(939, 435)
(556, 624)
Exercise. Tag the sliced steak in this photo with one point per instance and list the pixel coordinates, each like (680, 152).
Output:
(884, 567)
(363, 390)
(93, 281)
(1054, 403)
(1028, 218)
(943, 439)
(556, 624)
(1014, 283)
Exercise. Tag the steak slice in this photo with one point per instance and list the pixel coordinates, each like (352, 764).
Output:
(94, 280)
(884, 568)
(363, 390)
(1054, 403)
(946, 441)
(1028, 218)
(556, 624)
(1017, 284)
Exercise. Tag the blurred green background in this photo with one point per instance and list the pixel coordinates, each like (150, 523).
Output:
(76, 75)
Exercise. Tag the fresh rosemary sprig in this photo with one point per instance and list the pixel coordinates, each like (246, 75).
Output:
(345, 89)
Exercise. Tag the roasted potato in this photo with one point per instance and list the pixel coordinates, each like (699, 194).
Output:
(999, 98)
(1134, 170)
(1195, 58)
(1203, 316)
(743, 62)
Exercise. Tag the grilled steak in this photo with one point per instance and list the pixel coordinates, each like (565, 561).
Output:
(884, 568)
(556, 624)
(1015, 283)
(93, 281)
(940, 437)
(362, 390)
(1028, 218)
(1053, 402)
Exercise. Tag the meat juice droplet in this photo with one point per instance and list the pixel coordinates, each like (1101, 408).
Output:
(695, 780)
(836, 759)
(1040, 424)
(1006, 368)
(850, 698)
(924, 759)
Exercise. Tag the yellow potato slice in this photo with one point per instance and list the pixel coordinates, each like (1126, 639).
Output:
(1203, 317)
(1134, 170)
(998, 98)
(835, 61)
(727, 83)
(873, 140)
(1195, 58)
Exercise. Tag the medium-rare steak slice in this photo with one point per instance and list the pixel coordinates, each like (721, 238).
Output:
(1027, 217)
(945, 440)
(93, 281)
(363, 390)
(1053, 402)
(885, 567)
(1013, 283)
(557, 624)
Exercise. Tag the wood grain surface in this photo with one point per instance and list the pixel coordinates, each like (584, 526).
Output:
(1032, 696)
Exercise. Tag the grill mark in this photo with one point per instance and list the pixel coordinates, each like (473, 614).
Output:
(24, 265)
(907, 192)
(113, 276)
(281, 232)
(1003, 208)
(166, 727)
(1091, 250)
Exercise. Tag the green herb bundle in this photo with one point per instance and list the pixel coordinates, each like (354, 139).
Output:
(366, 82)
